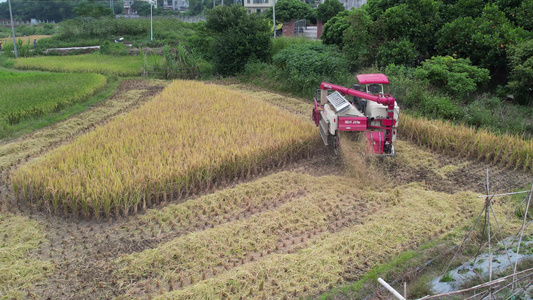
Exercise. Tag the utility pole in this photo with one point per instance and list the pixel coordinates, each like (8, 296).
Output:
(112, 6)
(274, 16)
(13, 28)
(151, 21)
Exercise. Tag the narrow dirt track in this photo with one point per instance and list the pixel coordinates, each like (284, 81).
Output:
(84, 251)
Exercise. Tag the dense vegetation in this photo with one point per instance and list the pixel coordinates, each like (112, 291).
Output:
(27, 95)
(455, 60)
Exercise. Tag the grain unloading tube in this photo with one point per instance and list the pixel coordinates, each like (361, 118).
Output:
(371, 111)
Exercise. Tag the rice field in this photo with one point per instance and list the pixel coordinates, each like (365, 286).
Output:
(193, 135)
(24, 39)
(207, 231)
(507, 150)
(284, 236)
(31, 94)
(88, 63)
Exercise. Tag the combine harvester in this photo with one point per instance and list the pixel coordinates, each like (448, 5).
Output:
(371, 110)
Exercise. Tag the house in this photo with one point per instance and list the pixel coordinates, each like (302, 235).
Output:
(349, 4)
(129, 3)
(127, 7)
(176, 4)
(257, 6)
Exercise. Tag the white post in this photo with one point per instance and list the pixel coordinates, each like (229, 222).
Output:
(13, 29)
(151, 22)
(274, 16)
(391, 289)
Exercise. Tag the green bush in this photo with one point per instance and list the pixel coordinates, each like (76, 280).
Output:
(113, 48)
(476, 114)
(455, 76)
(304, 66)
(436, 106)
(283, 42)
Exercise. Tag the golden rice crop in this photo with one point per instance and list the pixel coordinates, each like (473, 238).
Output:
(190, 135)
(88, 63)
(507, 149)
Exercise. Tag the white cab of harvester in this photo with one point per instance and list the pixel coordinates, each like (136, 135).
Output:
(377, 111)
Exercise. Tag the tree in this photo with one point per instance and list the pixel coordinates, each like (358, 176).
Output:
(416, 20)
(358, 39)
(400, 53)
(375, 8)
(521, 78)
(51, 10)
(328, 10)
(141, 7)
(92, 9)
(333, 32)
(524, 17)
(237, 38)
(484, 39)
(287, 10)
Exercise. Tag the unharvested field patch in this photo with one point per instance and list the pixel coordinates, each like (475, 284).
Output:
(507, 150)
(256, 242)
(129, 94)
(89, 63)
(294, 105)
(24, 39)
(191, 135)
(31, 94)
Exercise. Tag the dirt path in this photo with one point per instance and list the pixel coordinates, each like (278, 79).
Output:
(84, 252)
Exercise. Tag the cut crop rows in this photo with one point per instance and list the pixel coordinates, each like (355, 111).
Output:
(329, 233)
(192, 135)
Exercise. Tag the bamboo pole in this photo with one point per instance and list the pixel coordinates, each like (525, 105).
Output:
(522, 231)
